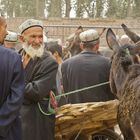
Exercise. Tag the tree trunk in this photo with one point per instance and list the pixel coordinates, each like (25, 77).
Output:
(68, 7)
(99, 8)
(79, 9)
(55, 8)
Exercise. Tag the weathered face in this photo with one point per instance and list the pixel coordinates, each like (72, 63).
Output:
(33, 36)
(32, 41)
(3, 31)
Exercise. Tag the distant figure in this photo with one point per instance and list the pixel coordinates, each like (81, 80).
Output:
(11, 40)
(125, 40)
(86, 69)
(56, 50)
(11, 89)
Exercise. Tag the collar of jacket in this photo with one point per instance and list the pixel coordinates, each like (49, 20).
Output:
(88, 52)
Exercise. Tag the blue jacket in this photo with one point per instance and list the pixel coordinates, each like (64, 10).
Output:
(11, 94)
(84, 70)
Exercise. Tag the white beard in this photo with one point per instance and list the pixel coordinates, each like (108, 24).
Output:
(32, 52)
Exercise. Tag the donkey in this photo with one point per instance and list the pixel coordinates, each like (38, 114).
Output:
(133, 36)
(73, 44)
(125, 84)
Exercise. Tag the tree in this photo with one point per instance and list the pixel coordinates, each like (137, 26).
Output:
(40, 6)
(68, 8)
(111, 8)
(89, 7)
(28, 8)
(62, 8)
(136, 8)
(8, 7)
(99, 8)
(54, 8)
(79, 8)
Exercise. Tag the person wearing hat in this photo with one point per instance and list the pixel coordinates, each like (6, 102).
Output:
(38, 122)
(87, 69)
(11, 89)
(125, 40)
(56, 51)
(11, 40)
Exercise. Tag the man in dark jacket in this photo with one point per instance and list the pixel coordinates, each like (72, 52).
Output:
(38, 122)
(87, 69)
(11, 89)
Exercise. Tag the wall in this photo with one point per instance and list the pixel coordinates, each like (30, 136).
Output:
(63, 27)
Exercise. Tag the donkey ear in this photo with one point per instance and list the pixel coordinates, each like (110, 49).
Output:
(137, 48)
(133, 36)
(102, 32)
(111, 40)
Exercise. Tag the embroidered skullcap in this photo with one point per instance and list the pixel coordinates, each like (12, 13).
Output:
(124, 40)
(30, 23)
(90, 35)
(11, 37)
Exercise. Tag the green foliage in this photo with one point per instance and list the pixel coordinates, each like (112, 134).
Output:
(55, 8)
(61, 8)
(99, 7)
(136, 8)
(80, 8)
(21, 8)
(111, 8)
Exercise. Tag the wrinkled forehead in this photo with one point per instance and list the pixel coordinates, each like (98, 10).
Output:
(33, 31)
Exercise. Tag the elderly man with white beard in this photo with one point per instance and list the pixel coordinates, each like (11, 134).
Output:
(38, 122)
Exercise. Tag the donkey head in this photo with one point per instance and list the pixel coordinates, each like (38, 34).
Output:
(73, 42)
(133, 36)
(123, 57)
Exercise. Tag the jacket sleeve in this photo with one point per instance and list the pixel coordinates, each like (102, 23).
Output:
(9, 111)
(64, 77)
(43, 82)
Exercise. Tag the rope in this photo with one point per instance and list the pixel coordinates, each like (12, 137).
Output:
(44, 113)
(52, 111)
(79, 90)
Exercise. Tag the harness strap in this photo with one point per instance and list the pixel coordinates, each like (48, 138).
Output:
(53, 110)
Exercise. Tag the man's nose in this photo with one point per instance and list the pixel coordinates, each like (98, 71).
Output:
(37, 40)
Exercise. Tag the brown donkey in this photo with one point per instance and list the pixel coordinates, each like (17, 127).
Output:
(125, 84)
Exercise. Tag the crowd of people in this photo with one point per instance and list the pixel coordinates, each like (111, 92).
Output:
(37, 71)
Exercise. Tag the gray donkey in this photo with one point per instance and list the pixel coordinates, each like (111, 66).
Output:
(125, 84)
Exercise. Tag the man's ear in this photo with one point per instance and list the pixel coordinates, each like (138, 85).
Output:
(21, 38)
(97, 46)
(81, 46)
